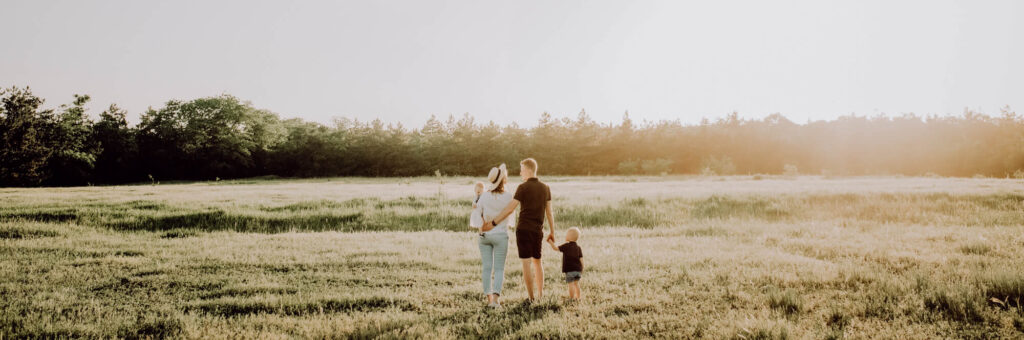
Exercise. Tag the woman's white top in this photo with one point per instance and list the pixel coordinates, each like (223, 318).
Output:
(488, 207)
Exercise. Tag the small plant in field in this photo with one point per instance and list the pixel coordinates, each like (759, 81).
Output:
(786, 301)
(837, 322)
(762, 334)
(976, 248)
(960, 304)
(882, 299)
(1005, 289)
(1019, 174)
(790, 170)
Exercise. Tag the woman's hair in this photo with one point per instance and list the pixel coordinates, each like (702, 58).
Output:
(501, 186)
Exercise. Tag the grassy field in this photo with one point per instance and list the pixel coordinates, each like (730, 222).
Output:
(728, 257)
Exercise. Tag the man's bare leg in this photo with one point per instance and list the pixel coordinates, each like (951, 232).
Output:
(538, 270)
(528, 277)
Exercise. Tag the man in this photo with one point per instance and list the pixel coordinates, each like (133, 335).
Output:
(535, 198)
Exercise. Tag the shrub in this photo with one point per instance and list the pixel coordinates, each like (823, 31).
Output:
(721, 166)
(629, 167)
(656, 166)
(790, 170)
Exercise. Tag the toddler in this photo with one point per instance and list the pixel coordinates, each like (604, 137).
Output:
(572, 261)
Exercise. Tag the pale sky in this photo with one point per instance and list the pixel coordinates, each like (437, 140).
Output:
(512, 60)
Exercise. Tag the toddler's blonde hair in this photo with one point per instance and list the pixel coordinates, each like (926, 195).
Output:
(572, 234)
(478, 187)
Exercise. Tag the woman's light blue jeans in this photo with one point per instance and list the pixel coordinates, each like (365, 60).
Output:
(493, 248)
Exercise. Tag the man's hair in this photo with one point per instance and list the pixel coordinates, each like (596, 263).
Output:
(530, 163)
(573, 234)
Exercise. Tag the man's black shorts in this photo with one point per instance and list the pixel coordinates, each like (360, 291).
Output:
(529, 242)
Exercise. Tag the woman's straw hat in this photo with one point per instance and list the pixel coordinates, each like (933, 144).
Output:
(496, 176)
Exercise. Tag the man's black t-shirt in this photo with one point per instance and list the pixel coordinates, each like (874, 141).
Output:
(533, 197)
(571, 255)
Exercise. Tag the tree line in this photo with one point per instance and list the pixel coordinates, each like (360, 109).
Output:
(222, 137)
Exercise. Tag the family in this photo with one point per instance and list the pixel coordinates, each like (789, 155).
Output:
(491, 216)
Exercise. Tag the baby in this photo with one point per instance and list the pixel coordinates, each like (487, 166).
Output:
(476, 220)
(572, 261)
(479, 189)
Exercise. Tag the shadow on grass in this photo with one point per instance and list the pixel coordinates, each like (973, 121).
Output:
(220, 220)
(151, 329)
(487, 323)
(719, 207)
(249, 291)
(232, 307)
(17, 233)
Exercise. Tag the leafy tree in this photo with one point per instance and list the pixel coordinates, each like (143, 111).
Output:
(307, 150)
(223, 137)
(24, 150)
(117, 160)
(206, 138)
(74, 151)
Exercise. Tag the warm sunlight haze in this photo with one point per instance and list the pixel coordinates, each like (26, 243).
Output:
(424, 169)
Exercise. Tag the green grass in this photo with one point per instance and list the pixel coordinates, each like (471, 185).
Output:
(372, 258)
(414, 213)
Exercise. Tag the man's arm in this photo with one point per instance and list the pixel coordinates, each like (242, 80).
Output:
(489, 224)
(551, 220)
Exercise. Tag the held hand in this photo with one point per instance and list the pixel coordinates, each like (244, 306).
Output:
(551, 238)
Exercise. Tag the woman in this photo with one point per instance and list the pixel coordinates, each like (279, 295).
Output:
(494, 242)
